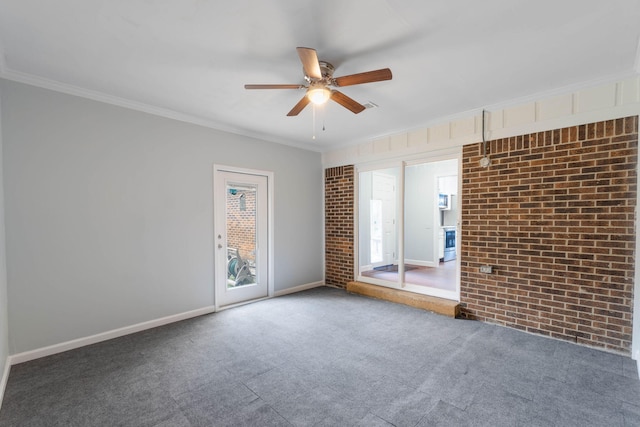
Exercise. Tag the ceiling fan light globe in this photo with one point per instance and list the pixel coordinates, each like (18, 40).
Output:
(319, 95)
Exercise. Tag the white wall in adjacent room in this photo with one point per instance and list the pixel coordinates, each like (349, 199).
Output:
(109, 214)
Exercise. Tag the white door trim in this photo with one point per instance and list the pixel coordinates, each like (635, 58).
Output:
(403, 162)
(270, 221)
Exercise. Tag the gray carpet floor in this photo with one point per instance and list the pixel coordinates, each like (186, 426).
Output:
(325, 358)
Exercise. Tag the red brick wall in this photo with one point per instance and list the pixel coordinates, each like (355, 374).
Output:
(554, 215)
(339, 223)
(241, 223)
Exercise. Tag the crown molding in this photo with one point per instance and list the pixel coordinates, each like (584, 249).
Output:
(68, 89)
(54, 85)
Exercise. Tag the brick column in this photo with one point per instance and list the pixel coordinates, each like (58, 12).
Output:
(339, 223)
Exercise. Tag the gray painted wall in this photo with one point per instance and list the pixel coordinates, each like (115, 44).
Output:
(109, 214)
(4, 328)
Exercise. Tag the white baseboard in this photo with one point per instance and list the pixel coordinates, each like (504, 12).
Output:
(4, 379)
(420, 263)
(298, 288)
(115, 333)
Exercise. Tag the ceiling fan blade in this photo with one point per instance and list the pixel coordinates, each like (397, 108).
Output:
(366, 77)
(310, 63)
(347, 102)
(299, 106)
(273, 86)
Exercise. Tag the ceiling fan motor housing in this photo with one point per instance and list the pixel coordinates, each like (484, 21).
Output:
(319, 77)
(326, 70)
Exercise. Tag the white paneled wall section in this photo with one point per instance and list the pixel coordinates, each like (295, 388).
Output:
(587, 105)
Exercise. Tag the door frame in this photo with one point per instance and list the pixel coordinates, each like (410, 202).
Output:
(269, 175)
(402, 162)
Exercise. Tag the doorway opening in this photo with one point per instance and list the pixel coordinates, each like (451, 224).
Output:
(408, 216)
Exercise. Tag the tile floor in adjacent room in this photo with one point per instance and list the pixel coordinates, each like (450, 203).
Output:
(324, 357)
(441, 277)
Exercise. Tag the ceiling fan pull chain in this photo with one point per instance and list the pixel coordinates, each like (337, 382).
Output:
(319, 78)
(314, 121)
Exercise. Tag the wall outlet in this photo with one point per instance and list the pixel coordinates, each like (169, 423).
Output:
(486, 269)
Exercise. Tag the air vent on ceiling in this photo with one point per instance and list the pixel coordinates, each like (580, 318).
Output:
(369, 105)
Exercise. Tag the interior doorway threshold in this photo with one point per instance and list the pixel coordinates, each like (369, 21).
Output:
(425, 302)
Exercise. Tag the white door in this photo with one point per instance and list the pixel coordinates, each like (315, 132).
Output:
(241, 237)
(384, 191)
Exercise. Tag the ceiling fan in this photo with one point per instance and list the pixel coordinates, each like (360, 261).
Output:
(320, 80)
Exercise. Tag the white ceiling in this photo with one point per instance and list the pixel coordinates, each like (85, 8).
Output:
(190, 58)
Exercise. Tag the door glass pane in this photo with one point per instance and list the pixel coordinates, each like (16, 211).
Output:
(378, 225)
(430, 218)
(241, 234)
